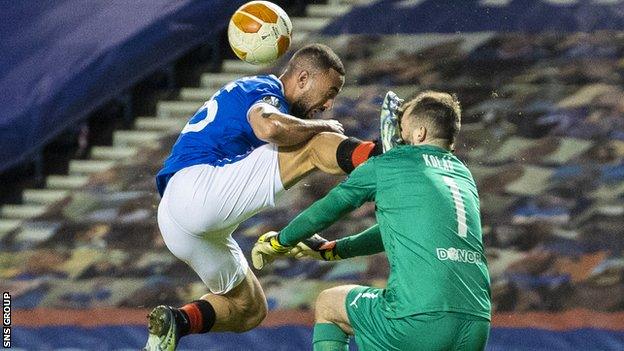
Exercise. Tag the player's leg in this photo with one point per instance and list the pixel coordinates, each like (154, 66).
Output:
(329, 152)
(337, 154)
(238, 310)
(332, 327)
(473, 332)
(357, 310)
(241, 309)
(236, 297)
(200, 208)
(236, 302)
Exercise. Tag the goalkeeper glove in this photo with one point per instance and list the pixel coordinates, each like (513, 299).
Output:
(266, 249)
(316, 247)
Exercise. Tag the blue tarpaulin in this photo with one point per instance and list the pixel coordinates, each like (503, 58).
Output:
(289, 338)
(60, 60)
(451, 16)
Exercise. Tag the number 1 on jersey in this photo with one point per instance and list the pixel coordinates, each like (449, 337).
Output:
(460, 210)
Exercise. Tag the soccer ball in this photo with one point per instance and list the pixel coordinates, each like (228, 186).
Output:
(259, 32)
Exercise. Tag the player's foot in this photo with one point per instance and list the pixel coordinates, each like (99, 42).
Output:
(163, 331)
(390, 123)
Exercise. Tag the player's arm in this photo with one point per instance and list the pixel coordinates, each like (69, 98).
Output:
(273, 126)
(365, 243)
(344, 198)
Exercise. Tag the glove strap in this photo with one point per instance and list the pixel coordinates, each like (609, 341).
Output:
(276, 246)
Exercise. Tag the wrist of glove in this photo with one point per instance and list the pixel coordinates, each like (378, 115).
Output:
(316, 247)
(266, 249)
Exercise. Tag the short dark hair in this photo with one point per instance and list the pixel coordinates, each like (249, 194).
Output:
(318, 56)
(439, 110)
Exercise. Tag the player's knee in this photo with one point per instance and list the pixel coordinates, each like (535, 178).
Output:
(322, 149)
(325, 138)
(323, 305)
(251, 315)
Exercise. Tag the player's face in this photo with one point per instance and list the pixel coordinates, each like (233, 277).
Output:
(318, 94)
(405, 127)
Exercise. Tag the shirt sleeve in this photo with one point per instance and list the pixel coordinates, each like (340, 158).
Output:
(267, 107)
(269, 93)
(365, 243)
(357, 189)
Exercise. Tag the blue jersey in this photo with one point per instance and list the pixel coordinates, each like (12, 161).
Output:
(219, 133)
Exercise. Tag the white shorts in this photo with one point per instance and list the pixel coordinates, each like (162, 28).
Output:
(203, 205)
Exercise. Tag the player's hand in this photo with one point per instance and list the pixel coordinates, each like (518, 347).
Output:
(331, 125)
(316, 247)
(266, 249)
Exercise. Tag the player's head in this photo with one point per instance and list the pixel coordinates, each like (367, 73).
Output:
(312, 79)
(431, 118)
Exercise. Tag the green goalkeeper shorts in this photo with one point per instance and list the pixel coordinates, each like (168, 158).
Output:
(426, 331)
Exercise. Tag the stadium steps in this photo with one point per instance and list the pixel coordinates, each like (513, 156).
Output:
(113, 152)
(309, 24)
(217, 80)
(160, 124)
(36, 232)
(66, 182)
(22, 211)
(43, 196)
(196, 94)
(327, 11)
(170, 117)
(8, 225)
(177, 108)
(304, 27)
(36, 201)
(122, 138)
(239, 67)
(126, 144)
(78, 167)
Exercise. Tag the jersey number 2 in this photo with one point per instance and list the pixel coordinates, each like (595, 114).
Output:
(460, 209)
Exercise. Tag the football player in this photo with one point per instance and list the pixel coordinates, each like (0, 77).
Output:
(427, 208)
(254, 138)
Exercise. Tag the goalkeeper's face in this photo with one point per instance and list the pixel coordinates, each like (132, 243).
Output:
(316, 93)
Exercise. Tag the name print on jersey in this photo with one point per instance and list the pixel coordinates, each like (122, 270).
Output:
(437, 162)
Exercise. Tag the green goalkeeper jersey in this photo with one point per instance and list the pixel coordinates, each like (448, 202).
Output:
(429, 222)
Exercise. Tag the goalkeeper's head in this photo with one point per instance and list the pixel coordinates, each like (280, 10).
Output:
(431, 118)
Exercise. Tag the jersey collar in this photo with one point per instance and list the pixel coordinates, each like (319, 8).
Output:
(430, 147)
(278, 82)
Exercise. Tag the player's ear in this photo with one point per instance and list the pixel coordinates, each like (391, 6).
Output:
(302, 78)
(421, 134)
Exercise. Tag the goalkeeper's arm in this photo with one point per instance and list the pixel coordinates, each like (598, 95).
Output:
(349, 195)
(316, 218)
(357, 189)
(365, 243)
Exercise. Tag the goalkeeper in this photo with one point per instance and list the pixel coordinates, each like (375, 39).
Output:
(438, 291)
